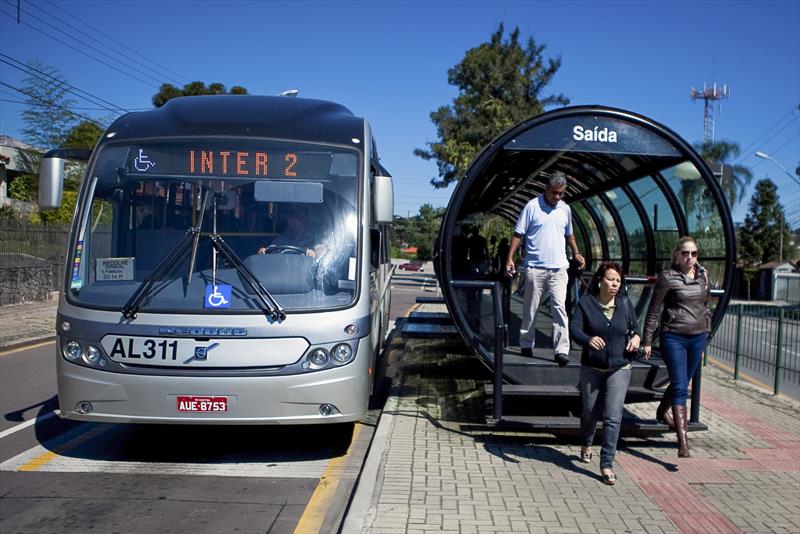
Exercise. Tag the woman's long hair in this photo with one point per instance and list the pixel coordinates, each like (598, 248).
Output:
(594, 285)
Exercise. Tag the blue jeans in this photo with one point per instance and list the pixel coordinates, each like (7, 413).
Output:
(603, 394)
(682, 353)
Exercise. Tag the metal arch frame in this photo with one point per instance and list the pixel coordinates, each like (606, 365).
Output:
(650, 239)
(480, 163)
(621, 230)
(601, 229)
(674, 203)
(587, 243)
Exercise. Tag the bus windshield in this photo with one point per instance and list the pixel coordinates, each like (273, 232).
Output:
(195, 225)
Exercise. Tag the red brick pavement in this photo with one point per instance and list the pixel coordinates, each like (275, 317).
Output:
(668, 484)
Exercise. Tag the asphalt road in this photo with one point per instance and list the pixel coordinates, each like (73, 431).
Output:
(758, 350)
(63, 476)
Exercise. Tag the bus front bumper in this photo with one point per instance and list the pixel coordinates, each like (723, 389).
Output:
(335, 395)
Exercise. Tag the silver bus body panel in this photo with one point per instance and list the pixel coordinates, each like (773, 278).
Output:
(287, 400)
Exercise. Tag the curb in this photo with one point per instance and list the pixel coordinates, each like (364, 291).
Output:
(25, 342)
(361, 512)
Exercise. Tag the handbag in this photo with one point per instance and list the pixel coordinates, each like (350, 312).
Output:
(630, 332)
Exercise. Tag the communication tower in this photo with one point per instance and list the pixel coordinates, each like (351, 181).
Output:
(710, 95)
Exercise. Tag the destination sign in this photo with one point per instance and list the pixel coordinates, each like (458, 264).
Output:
(247, 160)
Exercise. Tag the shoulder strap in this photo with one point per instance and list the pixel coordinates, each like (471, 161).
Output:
(629, 313)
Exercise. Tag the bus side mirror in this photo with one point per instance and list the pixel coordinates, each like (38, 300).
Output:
(51, 174)
(382, 195)
(51, 183)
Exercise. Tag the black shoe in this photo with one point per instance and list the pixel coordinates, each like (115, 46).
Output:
(561, 359)
(526, 352)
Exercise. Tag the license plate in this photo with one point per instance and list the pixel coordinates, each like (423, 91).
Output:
(189, 403)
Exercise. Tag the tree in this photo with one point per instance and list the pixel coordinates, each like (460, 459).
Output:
(84, 135)
(760, 236)
(734, 182)
(418, 231)
(168, 91)
(46, 116)
(500, 84)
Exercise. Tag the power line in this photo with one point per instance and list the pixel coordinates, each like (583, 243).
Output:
(746, 153)
(150, 62)
(795, 136)
(52, 104)
(79, 108)
(81, 51)
(27, 69)
(88, 45)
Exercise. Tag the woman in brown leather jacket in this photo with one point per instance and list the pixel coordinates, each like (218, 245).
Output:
(682, 290)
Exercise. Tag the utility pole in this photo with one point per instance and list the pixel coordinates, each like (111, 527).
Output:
(709, 95)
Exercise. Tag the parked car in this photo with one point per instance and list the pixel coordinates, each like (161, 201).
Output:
(412, 266)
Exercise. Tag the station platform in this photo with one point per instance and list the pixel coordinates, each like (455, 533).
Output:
(436, 466)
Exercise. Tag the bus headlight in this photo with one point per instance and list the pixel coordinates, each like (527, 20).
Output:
(72, 351)
(92, 355)
(342, 353)
(318, 357)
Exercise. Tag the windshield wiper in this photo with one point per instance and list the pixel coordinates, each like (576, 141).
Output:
(176, 253)
(191, 239)
(270, 304)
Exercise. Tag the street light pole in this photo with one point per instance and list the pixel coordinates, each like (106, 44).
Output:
(764, 155)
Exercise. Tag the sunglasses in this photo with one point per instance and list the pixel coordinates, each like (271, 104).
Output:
(686, 253)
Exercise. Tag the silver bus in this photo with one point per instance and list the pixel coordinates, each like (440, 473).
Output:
(228, 263)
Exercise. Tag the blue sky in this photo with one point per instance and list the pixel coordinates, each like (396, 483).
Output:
(388, 61)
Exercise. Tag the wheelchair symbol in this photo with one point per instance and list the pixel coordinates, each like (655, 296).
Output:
(216, 299)
(142, 162)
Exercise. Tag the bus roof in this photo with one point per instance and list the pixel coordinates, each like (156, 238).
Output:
(301, 119)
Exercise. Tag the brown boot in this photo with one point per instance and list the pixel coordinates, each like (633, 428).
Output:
(663, 413)
(681, 426)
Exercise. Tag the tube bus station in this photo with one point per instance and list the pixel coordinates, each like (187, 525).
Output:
(634, 187)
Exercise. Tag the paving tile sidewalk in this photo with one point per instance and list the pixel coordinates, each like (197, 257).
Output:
(27, 322)
(435, 467)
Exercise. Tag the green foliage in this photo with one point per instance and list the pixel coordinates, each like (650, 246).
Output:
(168, 91)
(418, 231)
(84, 135)
(45, 116)
(734, 183)
(9, 216)
(24, 187)
(500, 84)
(61, 216)
(760, 235)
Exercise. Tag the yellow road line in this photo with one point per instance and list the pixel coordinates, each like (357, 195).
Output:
(39, 461)
(26, 347)
(311, 520)
(88, 433)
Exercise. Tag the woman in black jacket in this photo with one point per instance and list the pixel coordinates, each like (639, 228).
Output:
(605, 325)
(680, 305)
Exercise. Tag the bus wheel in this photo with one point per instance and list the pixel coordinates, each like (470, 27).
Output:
(341, 435)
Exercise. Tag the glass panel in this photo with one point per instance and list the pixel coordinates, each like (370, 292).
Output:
(637, 244)
(612, 233)
(594, 235)
(702, 214)
(287, 211)
(662, 220)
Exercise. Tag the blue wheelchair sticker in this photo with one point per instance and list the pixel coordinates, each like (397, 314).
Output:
(217, 296)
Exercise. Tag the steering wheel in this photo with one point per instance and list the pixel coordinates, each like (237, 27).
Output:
(285, 249)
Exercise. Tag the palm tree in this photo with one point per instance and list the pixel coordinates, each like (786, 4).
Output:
(733, 183)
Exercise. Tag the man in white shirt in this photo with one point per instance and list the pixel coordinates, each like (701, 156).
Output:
(545, 223)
